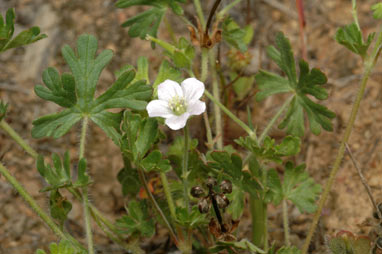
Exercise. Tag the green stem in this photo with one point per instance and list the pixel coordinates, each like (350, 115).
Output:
(157, 208)
(274, 119)
(32, 203)
(169, 29)
(199, 11)
(222, 13)
(19, 140)
(369, 65)
(204, 66)
(216, 95)
(85, 194)
(167, 192)
(286, 222)
(208, 130)
(258, 217)
(185, 168)
(355, 15)
(234, 118)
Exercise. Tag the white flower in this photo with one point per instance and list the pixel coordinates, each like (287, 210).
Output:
(177, 103)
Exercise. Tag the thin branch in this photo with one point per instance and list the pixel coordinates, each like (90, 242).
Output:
(363, 180)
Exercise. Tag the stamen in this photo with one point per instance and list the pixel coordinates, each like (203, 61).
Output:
(178, 105)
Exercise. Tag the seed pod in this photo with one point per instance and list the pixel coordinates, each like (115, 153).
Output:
(375, 214)
(226, 186)
(204, 205)
(211, 182)
(222, 201)
(197, 192)
(378, 243)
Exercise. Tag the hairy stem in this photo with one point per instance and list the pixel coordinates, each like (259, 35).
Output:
(185, 168)
(216, 95)
(274, 119)
(85, 194)
(33, 204)
(286, 222)
(19, 140)
(355, 15)
(170, 201)
(234, 118)
(199, 11)
(204, 66)
(368, 65)
(224, 11)
(142, 178)
(258, 218)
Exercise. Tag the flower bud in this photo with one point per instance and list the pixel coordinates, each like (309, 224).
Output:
(222, 201)
(197, 192)
(226, 186)
(204, 205)
(211, 182)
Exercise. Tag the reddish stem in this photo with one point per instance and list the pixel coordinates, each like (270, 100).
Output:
(301, 21)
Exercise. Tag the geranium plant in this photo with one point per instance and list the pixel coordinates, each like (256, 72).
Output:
(202, 188)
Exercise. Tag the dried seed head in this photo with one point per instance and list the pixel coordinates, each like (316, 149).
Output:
(211, 182)
(222, 201)
(197, 192)
(226, 186)
(375, 214)
(204, 205)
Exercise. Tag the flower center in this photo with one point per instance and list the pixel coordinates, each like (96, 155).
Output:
(178, 105)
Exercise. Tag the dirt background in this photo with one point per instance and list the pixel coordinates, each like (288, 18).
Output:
(63, 21)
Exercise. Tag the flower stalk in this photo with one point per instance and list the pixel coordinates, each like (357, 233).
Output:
(185, 168)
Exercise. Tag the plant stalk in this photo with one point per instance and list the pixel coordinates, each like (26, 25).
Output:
(199, 11)
(185, 168)
(286, 222)
(204, 66)
(274, 119)
(19, 140)
(369, 65)
(216, 95)
(234, 118)
(355, 15)
(33, 204)
(85, 194)
(224, 11)
(142, 178)
(259, 222)
(167, 192)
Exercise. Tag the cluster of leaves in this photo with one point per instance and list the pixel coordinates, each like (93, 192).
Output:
(64, 247)
(76, 91)
(137, 220)
(7, 28)
(309, 82)
(59, 177)
(147, 22)
(346, 243)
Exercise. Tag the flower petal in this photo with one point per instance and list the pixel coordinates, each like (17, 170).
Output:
(159, 108)
(196, 107)
(193, 89)
(169, 89)
(177, 122)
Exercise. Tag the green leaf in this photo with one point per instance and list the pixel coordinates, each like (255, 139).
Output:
(296, 186)
(6, 32)
(137, 221)
(242, 245)
(350, 36)
(155, 161)
(147, 22)
(64, 247)
(59, 207)
(129, 180)
(288, 250)
(76, 93)
(191, 219)
(377, 10)
(59, 176)
(346, 243)
(235, 36)
(231, 165)
(236, 206)
(309, 83)
(166, 71)
(3, 110)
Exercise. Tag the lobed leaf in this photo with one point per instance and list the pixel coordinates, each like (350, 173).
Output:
(309, 82)
(377, 10)
(7, 29)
